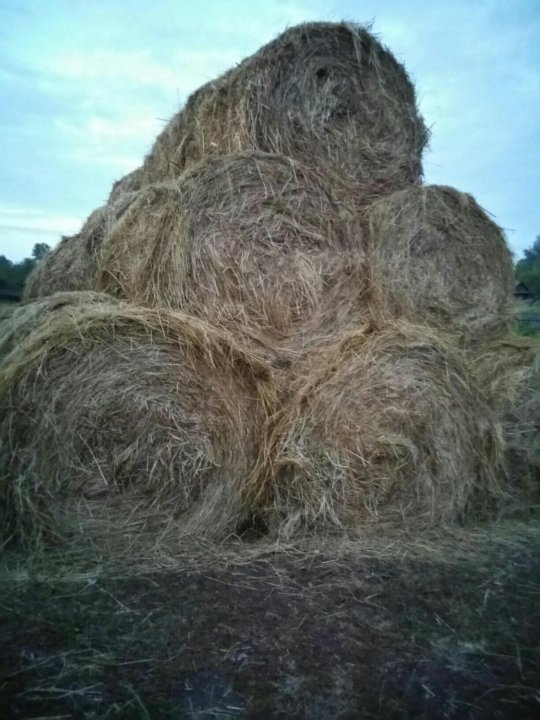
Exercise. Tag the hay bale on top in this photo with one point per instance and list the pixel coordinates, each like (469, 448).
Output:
(120, 425)
(386, 426)
(328, 93)
(31, 315)
(252, 240)
(436, 257)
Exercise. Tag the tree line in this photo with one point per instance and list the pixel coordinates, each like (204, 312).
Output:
(13, 274)
(528, 268)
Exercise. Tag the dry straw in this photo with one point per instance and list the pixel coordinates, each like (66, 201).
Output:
(252, 241)
(508, 371)
(71, 265)
(435, 257)
(24, 318)
(327, 93)
(121, 424)
(385, 426)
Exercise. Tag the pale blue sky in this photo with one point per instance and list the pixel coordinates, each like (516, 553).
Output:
(86, 85)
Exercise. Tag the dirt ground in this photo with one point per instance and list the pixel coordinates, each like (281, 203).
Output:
(333, 632)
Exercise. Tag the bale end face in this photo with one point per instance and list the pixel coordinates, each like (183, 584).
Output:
(387, 427)
(122, 426)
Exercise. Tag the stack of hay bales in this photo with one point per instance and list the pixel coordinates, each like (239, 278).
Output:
(280, 321)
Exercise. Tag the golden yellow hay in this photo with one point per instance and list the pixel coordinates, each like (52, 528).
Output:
(435, 257)
(328, 93)
(121, 424)
(250, 241)
(385, 426)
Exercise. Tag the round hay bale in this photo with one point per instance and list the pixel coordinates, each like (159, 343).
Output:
(121, 426)
(24, 318)
(385, 426)
(253, 240)
(508, 371)
(435, 257)
(327, 93)
(72, 264)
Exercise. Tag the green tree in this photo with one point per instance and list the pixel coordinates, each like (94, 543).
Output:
(528, 268)
(40, 250)
(13, 275)
(6, 271)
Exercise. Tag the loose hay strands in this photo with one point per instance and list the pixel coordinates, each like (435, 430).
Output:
(121, 425)
(71, 265)
(385, 426)
(328, 93)
(436, 257)
(508, 371)
(251, 241)
(30, 315)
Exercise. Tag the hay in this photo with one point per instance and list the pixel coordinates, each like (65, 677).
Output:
(130, 183)
(435, 257)
(328, 93)
(72, 264)
(386, 426)
(24, 318)
(250, 241)
(508, 371)
(121, 425)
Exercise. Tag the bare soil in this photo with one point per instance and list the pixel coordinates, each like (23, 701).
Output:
(303, 634)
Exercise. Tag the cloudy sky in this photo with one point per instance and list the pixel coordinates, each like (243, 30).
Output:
(86, 85)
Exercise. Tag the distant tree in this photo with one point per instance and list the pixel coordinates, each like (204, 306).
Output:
(6, 268)
(40, 250)
(13, 275)
(528, 268)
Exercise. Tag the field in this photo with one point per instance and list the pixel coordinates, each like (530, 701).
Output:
(449, 628)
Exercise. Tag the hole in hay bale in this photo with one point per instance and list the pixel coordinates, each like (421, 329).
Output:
(252, 529)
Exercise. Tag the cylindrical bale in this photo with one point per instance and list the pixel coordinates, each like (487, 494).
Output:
(24, 318)
(72, 264)
(508, 371)
(252, 240)
(436, 257)
(328, 93)
(385, 426)
(122, 425)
